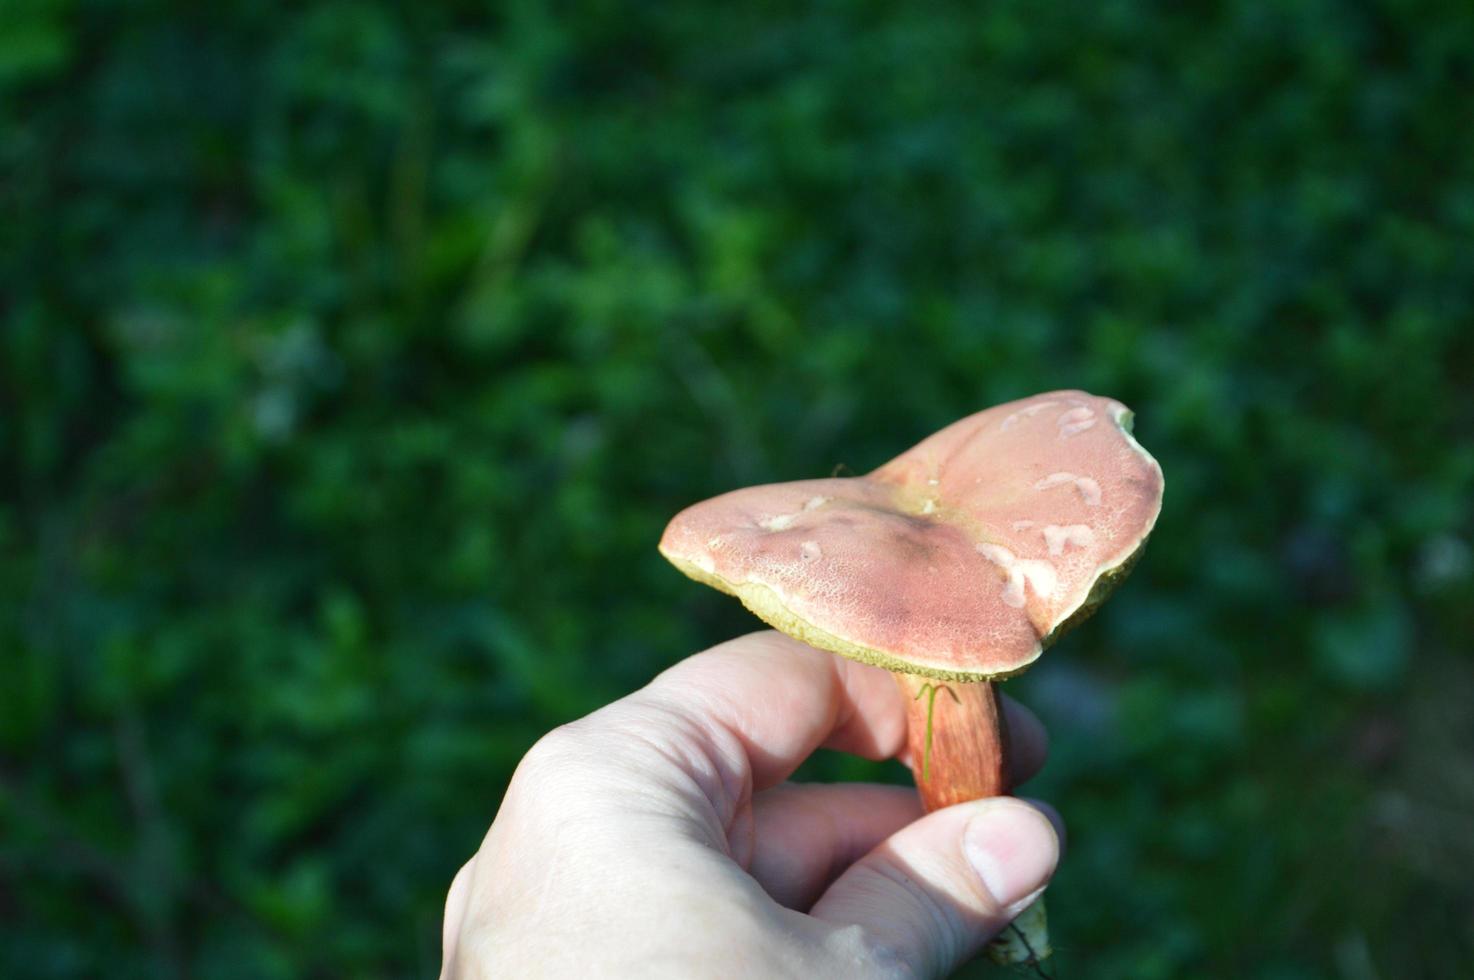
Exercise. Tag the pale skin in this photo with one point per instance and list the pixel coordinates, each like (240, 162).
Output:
(658, 837)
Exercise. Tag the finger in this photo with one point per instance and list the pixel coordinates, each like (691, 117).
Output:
(927, 898)
(805, 835)
(1054, 818)
(688, 751)
(455, 912)
(1027, 744)
(780, 699)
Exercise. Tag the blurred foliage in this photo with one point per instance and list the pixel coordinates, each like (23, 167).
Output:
(354, 355)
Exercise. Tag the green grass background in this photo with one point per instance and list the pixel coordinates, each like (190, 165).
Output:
(353, 356)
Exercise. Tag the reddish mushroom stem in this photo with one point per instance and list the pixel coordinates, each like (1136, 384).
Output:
(958, 740)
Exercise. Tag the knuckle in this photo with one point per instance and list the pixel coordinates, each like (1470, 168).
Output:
(558, 751)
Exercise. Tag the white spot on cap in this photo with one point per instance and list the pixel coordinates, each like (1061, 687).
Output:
(1059, 538)
(1041, 576)
(781, 522)
(1034, 573)
(1075, 421)
(810, 551)
(1089, 489)
(996, 553)
(1024, 413)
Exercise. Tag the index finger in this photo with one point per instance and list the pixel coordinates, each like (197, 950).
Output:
(780, 699)
(777, 700)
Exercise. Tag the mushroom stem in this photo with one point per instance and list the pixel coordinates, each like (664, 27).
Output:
(958, 740)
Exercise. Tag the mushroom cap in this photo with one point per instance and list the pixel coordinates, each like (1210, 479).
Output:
(960, 559)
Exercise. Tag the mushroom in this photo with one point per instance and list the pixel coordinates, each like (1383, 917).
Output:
(953, 566)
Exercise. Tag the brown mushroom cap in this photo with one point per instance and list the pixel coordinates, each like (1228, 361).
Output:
(960, 559)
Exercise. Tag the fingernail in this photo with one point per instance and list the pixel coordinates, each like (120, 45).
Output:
(1013, 849)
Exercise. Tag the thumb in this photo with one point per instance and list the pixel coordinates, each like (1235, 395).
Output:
(931, 895)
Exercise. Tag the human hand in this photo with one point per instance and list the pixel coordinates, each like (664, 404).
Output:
(657, 837)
